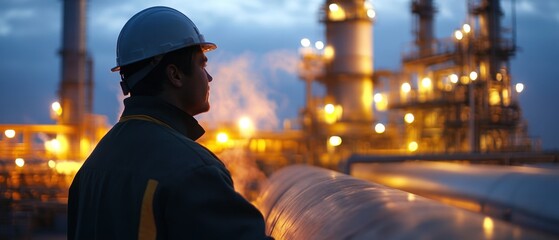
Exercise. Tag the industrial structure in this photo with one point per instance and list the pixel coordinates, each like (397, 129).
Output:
(452, 97)
(38, 162)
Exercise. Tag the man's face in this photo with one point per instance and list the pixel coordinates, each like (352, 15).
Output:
(197, 90)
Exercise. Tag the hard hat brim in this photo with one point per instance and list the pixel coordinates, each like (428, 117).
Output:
(206, 47)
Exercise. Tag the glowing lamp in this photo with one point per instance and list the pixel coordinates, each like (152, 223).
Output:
(335, 141)
(20, 162)
(409, 118)
(10, 133)
(458, 35)
(473, 75)
(380, 128)
(406, 87)
(305, 42)
(466, 28)
(222, 137)
(319, 45)
(453, 78)
(56, 108)
(519, 87)
(413, 146)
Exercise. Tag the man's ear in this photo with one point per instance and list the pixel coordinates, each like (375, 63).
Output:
(174, 75)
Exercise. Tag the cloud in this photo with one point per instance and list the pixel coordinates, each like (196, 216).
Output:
(111, 19)
(395, 9)
(8, 18)
(216, 12)
(525, 7)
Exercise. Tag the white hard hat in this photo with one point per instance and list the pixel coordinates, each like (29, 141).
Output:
(155, 31)
(150, 34)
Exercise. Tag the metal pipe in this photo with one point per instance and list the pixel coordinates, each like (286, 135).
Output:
(303, 202)
(525, 196)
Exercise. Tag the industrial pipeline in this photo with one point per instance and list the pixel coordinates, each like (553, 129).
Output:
(526, 196)
(303, 202)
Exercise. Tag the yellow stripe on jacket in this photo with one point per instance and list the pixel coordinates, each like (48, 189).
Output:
(147, 229)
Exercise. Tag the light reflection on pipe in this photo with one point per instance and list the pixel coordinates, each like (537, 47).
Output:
(302, 202)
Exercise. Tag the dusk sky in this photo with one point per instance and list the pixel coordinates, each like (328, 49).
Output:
(258, 50)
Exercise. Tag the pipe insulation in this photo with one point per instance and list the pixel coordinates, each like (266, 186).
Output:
(526, 196)
(303, 202)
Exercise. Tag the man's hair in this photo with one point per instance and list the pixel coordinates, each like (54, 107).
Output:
(152, 83)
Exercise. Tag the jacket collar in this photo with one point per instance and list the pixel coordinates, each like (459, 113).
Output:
(164, 112)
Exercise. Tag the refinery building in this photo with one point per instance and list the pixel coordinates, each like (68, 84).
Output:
(453, 100)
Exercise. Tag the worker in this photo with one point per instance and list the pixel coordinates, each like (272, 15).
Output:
(148, 178)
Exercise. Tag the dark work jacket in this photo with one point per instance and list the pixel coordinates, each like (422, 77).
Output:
(148, 179)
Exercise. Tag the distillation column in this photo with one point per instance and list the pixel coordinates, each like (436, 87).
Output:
(494, 51)
(349, 52)
(72, 91)
(489, 13)
(424, 35)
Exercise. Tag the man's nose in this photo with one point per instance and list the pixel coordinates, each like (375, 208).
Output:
(210, 78)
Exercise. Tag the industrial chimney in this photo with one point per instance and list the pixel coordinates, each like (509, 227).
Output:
(75, 86)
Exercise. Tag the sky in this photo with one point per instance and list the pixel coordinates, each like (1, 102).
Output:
(258, 50)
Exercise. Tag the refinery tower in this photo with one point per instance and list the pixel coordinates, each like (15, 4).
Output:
(452, 95)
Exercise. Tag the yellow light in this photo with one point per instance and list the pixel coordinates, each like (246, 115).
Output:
(458, 35)
(319, 45)
(245, 124)
(68, 167)
(10, 133)
(53, 146)
(371, 13)
(409, 118)
(332, 113)
(261, 146)
(381, 102)
(488, 226)
(85, 147)
(20, 162)
(329, 108)
(413, 146)
(52, 164)
(377, 97)
(506, 99)
(336, 12)
(406, 87)
(328, 52)
(499, 76)
(335, 141)
(63, 143)
(494, 98)
(411, 197)
(305, 42)
(466, 28)
(426, 82)
(464, 79)
(473, 75)
(56, 108)
(380, 128)
(333, 7)
(222, 137)
(519, 87)
(453, 78)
